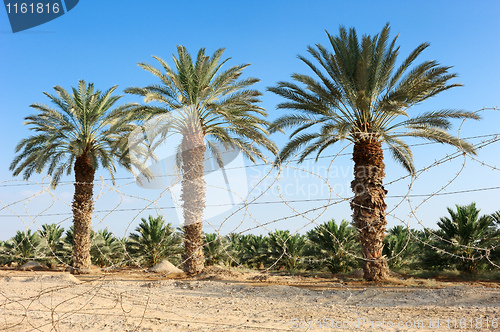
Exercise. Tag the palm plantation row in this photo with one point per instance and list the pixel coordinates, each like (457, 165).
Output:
(465, 241)
(356, 94)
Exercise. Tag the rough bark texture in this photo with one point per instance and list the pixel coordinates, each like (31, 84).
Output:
(368, 206)
(83, 206)
(193, 197)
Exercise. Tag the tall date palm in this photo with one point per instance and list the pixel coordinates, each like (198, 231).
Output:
(208, 106)
(85, 130)
(357, 94)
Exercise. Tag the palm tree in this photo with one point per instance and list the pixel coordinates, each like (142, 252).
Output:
(495, 230)
(334, 246)
(154, 241)
(23, 246)
(430, 256)
(51, 235)
(283, 249)
(234, 249)
(68, 244)
(207, 106)
(4, 254)
(251, 250)
(358, 96)
(83, 132)
(399, 246)
(496, 217)
(215, 249)
(466, 235)
(106, 249)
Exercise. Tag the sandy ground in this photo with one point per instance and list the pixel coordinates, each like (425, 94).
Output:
(223, 300)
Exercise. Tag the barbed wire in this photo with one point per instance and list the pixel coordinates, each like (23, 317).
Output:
(240, 219)
(20, 183)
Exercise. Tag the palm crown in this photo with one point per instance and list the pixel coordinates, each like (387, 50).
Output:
(360, 95)
(212, 103)
(82, 124)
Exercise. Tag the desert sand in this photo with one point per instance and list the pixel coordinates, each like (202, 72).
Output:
(221, 299)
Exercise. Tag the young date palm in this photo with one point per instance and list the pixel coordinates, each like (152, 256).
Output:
(466, 234)
(400, 246)
(284, 250)
(360, 96)
(106, 249)
(51, 236)
(154, 241)
(85, 130)
(334, 246)
(252, 250)
(23, 246)
(215, 249)
(206, 105)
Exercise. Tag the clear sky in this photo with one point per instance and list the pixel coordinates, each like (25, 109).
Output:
(102, 42)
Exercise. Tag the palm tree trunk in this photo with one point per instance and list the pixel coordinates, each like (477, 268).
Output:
(83, 206)
(368, 206)
(193, 197)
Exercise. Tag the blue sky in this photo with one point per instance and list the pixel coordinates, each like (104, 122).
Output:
(102, 42)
